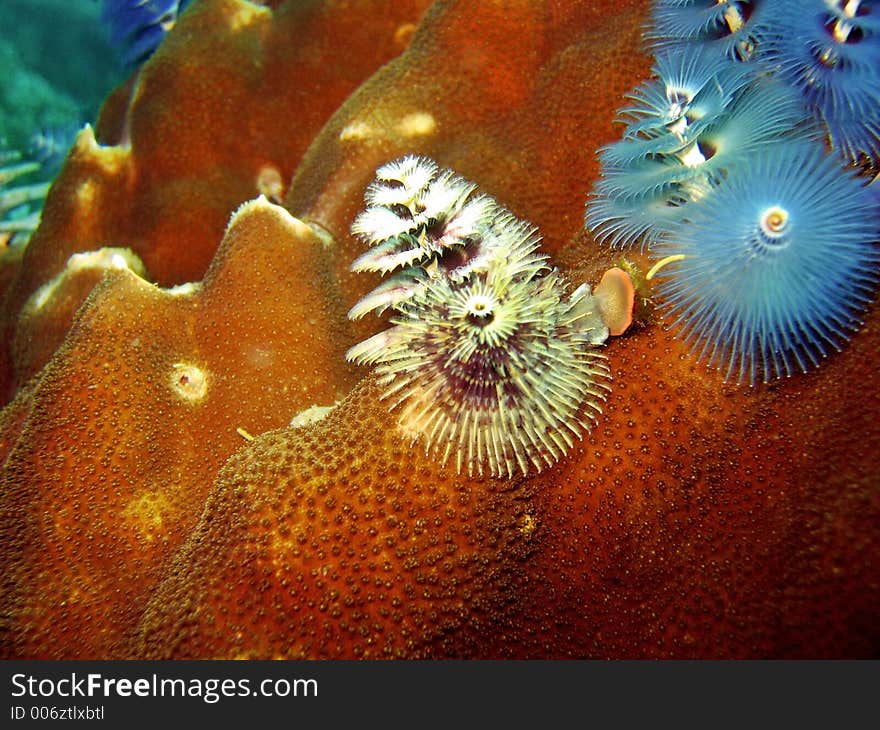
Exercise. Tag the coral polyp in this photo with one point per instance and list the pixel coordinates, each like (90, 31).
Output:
(770, 273)
(487, 361)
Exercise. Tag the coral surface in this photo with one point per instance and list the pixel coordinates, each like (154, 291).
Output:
(154, 500)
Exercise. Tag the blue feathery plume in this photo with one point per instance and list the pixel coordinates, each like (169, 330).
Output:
(691, 89)
(770, 273)
(639, 195)
(732, 29)
(829, 50)
(137, 27)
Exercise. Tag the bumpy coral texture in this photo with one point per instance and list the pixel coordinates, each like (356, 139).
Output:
(134, 415)
(326, 556)
(697, 519)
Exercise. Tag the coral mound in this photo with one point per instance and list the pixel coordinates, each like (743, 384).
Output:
(135, 413)
(154, 501)
(306, 550)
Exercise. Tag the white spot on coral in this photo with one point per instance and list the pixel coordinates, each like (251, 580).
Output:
(104, 258)
(184, 290)
(85, 194)
(107, 258)
(324, 236)
(42, 295)
(189, 381)
(85, 141)
(245, 15)
(417, 124)
(355, 131)
(260, 357)
(260, 205)
(311, 415)
(110, 158)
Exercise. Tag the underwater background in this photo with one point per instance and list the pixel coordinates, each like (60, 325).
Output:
(527, 329)
(57, 66)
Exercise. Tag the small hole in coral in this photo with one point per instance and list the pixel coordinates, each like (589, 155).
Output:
(189, 381)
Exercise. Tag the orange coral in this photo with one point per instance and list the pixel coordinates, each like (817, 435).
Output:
(692, 522)
(696, 519)
(136, 412)
(251, 87)
(307, 550)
